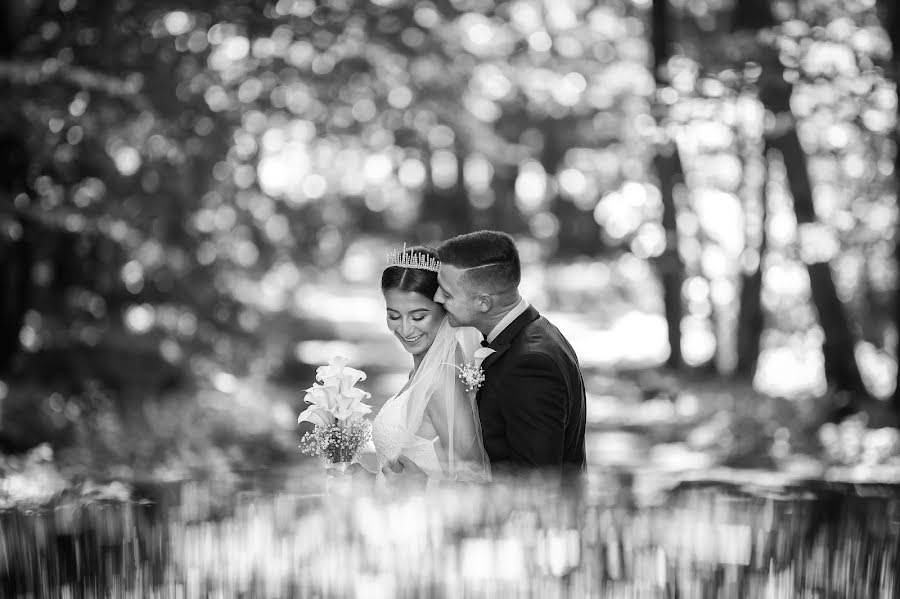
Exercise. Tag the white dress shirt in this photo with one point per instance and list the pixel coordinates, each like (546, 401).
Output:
(513, 314)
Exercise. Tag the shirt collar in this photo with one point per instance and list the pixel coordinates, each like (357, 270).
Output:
(513, 314)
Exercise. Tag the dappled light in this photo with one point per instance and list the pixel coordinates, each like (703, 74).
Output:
(196, 204)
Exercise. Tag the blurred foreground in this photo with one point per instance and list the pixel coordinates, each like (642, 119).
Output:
(621, 535)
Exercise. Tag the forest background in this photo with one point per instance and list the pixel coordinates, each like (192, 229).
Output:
(195, 199)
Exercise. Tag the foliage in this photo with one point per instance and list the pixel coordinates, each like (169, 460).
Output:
(183, 171)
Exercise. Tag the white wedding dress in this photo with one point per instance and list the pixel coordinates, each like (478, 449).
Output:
(392, 437)
(403, 426)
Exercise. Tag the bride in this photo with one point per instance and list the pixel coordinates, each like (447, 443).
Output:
(431, 425)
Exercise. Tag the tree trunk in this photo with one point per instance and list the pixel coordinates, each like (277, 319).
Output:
(16, 256)
(15, 279)
(660, 38)
(16, 18)
(750, 317)
(841, 369)
(445, 211)
(16, 251)
(751, 16)
(670, 265)
(750, 325)
(667, 164)
(890, 18)
(502, 209)
(895, 399)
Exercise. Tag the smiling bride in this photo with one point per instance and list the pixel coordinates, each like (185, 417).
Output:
(430, 427)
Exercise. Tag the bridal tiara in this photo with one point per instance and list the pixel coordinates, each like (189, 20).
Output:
(405, 259)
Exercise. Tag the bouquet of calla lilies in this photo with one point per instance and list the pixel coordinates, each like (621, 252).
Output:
(336, 410)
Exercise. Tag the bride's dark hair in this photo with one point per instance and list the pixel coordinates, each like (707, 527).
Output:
(417, 280)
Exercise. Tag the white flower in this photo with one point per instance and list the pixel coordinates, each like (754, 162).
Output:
(350, 406)
(338, 374)
(336, 398)
(316, 415)
(471, 375)
(480, 355)
(322, 404)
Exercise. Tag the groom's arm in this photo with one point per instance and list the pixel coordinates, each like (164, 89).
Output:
(534, 405)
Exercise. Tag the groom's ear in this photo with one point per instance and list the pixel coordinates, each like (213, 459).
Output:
(485, 303)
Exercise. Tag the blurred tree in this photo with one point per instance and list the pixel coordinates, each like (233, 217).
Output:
(751, 16)
(16, 252)
(107, 162)
(841, 369)
(751, 318)
(16, 230)
(889, 13)
(165, 157)
(667, 163)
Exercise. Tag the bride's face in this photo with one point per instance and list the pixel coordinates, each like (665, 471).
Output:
(413, 318)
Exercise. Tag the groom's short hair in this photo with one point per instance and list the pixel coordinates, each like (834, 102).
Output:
(490, 259)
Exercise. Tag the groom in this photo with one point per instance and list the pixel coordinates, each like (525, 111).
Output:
(532, 403)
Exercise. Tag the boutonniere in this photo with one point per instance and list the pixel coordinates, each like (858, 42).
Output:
(471, 373)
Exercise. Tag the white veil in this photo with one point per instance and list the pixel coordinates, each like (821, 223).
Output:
(436, 386)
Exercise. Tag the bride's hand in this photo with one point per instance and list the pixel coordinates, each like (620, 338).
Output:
(392, 468)
(404, 471)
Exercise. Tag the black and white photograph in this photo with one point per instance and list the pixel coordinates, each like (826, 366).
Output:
(376, 299)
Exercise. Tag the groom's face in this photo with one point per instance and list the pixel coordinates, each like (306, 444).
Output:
(457, 300)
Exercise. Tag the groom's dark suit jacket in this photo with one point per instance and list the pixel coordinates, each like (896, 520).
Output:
(532, 402)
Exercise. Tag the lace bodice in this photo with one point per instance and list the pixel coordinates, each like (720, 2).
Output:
(388, 429)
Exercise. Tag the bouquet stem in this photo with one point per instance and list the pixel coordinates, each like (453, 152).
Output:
(338, 479)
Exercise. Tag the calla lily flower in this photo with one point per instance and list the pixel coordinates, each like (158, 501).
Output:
(350, 406)
(322, 397)
(480, 354)
(338, 374)
(335, 397)
(335, 364)
(316, 415)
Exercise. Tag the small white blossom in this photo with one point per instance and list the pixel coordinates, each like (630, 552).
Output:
(471, 375)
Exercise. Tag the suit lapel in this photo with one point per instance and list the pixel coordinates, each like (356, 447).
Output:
(506, 336)
(493, 357)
